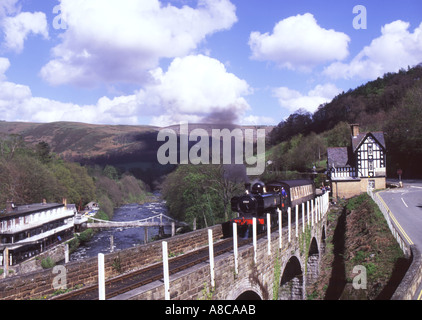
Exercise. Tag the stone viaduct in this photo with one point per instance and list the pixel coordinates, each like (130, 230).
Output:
(279, 267)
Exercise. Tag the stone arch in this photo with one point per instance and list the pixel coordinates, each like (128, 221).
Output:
(249, 295)
(291, 283)
(245, 290)
(312, 262)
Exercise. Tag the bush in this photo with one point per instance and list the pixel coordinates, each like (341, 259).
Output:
(47, 263)
(86, 235)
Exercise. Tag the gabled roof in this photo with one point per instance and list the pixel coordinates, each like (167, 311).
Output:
(378, 137)
(338, 157)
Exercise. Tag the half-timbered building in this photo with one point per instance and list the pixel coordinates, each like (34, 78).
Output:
(352, 170)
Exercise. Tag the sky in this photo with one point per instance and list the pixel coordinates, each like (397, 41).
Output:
(162, 62)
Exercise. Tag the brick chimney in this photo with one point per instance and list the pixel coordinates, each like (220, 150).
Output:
(355, 130)
(65, 201)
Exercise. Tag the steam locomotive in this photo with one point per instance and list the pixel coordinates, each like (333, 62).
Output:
(260, 199)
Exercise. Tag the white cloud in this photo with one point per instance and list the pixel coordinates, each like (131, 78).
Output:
(17, 29)
(252, 120)
(8, 7)
(194, 88)
(299, 43)
(121, 40)
(4, 65)
(396, 48)
(294, 100)
(18, 104)
(11, 95)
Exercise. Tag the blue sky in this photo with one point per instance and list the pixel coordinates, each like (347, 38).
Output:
(161, 62)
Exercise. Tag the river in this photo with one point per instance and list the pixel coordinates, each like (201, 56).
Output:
(123, 238)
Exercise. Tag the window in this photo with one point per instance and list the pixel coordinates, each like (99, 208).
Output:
(370, 149)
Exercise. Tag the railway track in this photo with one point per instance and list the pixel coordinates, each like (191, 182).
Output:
(124, 283)
(144, 276)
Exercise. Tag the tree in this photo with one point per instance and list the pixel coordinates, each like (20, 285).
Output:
(9, 145)
(339, 136)
(43, 151)
(111, 172)
(403, 134)
(201, 192)
(300, 122)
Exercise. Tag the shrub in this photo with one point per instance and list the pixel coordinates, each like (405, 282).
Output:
(47, 263)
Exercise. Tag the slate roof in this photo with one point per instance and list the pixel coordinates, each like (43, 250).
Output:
(338, 157)
(344, 157)
(378, 136)
(24, 210)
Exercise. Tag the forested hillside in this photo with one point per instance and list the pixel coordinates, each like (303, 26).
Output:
(392, 104)
(29, 174)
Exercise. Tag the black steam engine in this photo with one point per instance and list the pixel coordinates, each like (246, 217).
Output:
(261, 199)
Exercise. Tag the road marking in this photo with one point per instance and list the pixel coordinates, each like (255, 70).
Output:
(395, 221)
(420, 295)
(400, 228)
(404, 203)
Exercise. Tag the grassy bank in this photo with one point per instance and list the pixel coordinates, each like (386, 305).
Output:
(365, 243)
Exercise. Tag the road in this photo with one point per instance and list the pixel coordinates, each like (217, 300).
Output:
(406, 205)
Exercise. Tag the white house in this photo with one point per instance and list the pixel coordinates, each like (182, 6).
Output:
(28, 230)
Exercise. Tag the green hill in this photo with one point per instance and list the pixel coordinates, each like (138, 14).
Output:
(128, 148)
(391, 104)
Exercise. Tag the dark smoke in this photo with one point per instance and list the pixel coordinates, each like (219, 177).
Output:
(221, 117)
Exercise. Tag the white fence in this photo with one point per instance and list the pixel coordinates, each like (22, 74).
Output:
(316, 210)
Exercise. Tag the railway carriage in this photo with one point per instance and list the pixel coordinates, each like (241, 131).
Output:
(298, 191)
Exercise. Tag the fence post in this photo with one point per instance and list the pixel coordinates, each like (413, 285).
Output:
(166, 271)
(5, 262)
(312, 212)
(327, 201)
(297, 221)
(66, 253)
(236, 255)
(316, 210)
(307, 211)
(101, 277)
(303, 217)
(280, 228)
(146, 234)
(211, 249)
(321, 214)
(254, 238)
(289, 222)
(269, 233)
